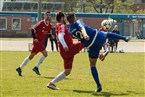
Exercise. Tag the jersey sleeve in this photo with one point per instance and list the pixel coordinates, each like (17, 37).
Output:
(61, 33)
(79, 24)
(61, 29)
(37, 26)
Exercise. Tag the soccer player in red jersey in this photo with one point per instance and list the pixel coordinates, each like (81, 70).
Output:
(105, 46)
(67, 49)
(39, 32)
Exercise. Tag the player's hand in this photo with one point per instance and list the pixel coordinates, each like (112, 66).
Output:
(86, 37)
(66, 49)
(52, 37)
(36, 40)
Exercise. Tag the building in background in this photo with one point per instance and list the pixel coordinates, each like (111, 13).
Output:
(18, 21)
(29, 6)
(138, 5)
(17, 17)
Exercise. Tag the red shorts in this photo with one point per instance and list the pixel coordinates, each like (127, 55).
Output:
(37, 47)
(69, 56)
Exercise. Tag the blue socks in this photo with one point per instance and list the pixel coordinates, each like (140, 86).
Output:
(115, 36)
(95, 76)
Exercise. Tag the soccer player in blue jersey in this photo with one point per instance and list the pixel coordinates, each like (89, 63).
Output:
(93, 39)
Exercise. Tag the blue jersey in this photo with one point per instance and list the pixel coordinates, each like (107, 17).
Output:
(97, 38)
(75, 31)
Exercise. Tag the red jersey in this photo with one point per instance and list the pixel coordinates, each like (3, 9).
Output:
(62, 28)
(42, 30)
(74, 48)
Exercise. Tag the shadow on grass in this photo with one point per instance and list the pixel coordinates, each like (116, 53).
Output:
(45, 77)
(82, 91)
(104, 94)
(109, 94)
(48, 77)
(134, 92)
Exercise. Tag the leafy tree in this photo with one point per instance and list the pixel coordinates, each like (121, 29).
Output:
(99, 6)
(140, 11)
(111, 6)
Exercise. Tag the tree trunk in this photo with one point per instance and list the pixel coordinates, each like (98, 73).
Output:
(112, 9)
(106, 9)
(94, 5)
(101, 3)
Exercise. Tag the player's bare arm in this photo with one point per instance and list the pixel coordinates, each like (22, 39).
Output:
(83, 31)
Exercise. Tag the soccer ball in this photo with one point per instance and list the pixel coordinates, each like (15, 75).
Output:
(106, 24)
(121, 51)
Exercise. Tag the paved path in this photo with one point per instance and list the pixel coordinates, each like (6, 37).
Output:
(22, 45)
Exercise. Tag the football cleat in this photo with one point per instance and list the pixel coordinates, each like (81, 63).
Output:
(99, 89)
(36, 70)
(128, 38)
(19, 71)
(52, 86)
(102, 56)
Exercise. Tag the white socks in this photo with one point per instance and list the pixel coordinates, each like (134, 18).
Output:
(24, 62)
(40, 61)
(27, 60)
(59, 77)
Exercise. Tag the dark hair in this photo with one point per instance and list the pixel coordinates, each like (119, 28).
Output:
(59, 15)
(70, 17)
(47, 11)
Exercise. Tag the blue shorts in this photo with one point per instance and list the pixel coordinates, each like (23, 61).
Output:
(94, 50)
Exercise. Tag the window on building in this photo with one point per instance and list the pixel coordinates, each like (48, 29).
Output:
(16, 24)
(3, 23)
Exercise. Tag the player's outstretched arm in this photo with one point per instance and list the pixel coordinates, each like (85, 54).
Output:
(62, 41)
(83, 30)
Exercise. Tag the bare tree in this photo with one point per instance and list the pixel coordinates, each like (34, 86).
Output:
(109, 4)
(94, 4)
(99, 5)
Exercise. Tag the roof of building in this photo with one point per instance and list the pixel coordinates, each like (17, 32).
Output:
(93, 15)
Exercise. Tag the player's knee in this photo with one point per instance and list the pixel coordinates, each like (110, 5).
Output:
(31, 57)
(67, 72)
(93, 62)
(45, 54)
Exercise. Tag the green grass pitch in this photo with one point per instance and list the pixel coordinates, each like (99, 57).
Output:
(120, 75)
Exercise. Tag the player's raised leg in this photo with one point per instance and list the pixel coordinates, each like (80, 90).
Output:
(117, 36)
(25, 62)
(35, 69)
(103, 56)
